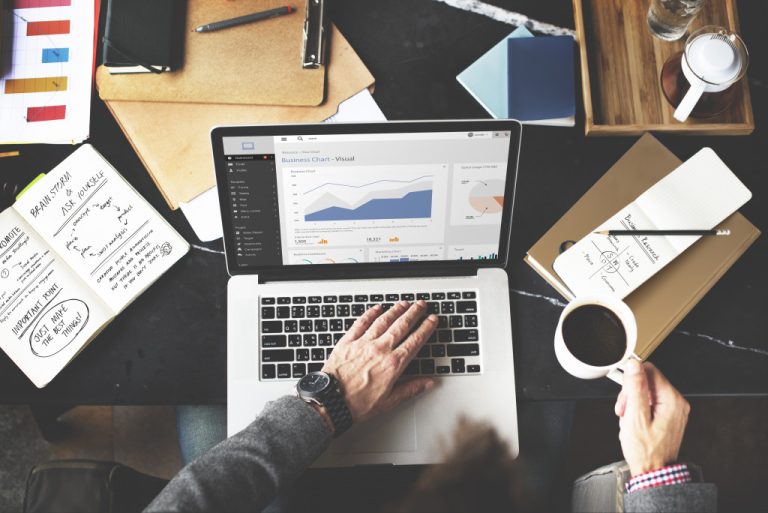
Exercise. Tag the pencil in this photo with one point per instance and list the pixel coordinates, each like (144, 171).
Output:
(248, 18)
(695, 233)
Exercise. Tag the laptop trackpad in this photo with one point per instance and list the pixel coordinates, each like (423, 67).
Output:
(391, 432)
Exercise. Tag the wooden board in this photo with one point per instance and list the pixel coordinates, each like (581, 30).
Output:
(255, 64)
(621, 64)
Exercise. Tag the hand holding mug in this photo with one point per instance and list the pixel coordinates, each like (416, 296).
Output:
(652, 418)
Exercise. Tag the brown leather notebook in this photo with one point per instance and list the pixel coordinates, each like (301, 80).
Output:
(173, 139)
(661, 302)
(257, 63)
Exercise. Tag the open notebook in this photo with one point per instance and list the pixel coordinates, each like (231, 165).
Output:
(699, 194)
(77, 247)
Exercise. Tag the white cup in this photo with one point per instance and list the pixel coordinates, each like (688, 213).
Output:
(582, 370)
(714, 59)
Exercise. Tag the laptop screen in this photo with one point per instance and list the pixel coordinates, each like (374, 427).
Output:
(312, 198)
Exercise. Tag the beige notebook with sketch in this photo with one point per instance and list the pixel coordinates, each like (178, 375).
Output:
(257, 63)
(699, 194)
(671, 292)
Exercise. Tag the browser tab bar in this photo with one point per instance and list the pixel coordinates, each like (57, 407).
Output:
(328, 138)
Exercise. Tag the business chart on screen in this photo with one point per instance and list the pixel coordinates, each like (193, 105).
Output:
(373, 198)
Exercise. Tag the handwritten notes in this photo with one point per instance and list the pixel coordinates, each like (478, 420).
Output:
(108, 234)
(699, 194)
(75, 250)
(46, 315)
(615, 265)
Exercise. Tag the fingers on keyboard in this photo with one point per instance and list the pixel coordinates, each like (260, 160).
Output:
(298, 333)
(418, 338)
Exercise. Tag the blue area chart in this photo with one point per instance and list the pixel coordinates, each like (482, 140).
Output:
(413, 205)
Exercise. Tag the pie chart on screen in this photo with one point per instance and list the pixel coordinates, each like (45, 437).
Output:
(487, 197)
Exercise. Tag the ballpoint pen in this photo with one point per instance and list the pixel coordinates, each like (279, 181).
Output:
(248, 18)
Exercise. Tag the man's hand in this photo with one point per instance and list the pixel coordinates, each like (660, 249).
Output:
(652, 418)
(373, 354)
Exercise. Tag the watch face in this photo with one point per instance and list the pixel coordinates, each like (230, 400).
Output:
(314, 382)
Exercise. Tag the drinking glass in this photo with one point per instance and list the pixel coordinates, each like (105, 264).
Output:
(669, 19)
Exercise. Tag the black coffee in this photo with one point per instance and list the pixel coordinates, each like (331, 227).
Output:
(595, 335)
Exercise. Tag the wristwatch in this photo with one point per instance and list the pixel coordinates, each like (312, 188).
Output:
(323, 389)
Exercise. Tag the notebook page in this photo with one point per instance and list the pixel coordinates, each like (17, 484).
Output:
(699, 194)
(47, 314)
(101, 227)
(601, 264)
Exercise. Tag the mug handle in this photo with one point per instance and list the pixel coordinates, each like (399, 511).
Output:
(617, 375)
(689, 101)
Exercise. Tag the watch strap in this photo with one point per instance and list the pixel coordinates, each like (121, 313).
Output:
(337, 409)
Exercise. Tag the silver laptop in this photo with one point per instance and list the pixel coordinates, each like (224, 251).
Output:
(321, 222)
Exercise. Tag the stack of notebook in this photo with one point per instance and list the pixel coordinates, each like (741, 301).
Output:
(662, 301)
(527, 78)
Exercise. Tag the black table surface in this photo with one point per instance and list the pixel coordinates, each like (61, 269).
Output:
(169, 346)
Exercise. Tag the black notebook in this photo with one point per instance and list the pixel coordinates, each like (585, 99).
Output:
(143, 36)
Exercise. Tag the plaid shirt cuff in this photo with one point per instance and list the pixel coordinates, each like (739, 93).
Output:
(669, 475)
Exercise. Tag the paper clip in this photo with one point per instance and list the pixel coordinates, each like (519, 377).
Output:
(313, 55)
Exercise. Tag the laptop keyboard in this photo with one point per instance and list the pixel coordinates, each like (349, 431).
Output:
(298, 333)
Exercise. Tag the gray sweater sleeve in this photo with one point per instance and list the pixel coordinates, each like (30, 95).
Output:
(689, 497)
(244, 472)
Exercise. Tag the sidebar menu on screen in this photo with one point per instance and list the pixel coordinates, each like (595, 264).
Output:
(252, 193)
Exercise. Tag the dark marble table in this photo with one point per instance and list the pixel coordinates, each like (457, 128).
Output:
(169, 347)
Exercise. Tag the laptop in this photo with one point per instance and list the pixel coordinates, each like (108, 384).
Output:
(321, 222)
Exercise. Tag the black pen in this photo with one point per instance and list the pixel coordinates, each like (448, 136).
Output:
(248, 18)
(699, 233)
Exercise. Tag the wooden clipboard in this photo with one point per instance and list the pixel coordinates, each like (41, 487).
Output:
(173, 141)
(257, 63)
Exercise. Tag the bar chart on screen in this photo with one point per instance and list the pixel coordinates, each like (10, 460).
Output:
(473, 252)
(46, 71)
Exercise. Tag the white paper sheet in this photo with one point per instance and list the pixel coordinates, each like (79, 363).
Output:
(46, 73)
(360, 107)
(203, 215)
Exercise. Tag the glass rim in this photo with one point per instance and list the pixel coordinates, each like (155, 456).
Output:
(711, 29)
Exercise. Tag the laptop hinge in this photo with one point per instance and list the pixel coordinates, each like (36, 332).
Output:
(330, 274)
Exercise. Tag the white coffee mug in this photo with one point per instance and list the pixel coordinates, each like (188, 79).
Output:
(714, 59)
(582, 370)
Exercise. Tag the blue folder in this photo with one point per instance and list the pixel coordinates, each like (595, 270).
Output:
(486, 78)
(546, 89)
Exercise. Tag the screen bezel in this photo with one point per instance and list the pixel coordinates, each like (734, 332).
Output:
(309, 271)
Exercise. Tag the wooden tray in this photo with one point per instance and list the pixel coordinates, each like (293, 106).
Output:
(620, 67)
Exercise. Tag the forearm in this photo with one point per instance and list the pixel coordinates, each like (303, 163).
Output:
(244, 472)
